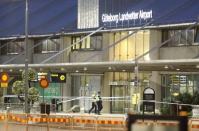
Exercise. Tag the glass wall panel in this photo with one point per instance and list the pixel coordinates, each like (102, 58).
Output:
(119, 104)
(173, 84)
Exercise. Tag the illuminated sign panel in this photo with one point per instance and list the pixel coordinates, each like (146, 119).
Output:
(58, 77)
(44, 83)
(134, 15)
(41, 75)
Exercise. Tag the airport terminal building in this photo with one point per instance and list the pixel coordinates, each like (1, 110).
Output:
(118, 47)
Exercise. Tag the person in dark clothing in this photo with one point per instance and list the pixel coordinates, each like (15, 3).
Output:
(94, 104)
(99, 103)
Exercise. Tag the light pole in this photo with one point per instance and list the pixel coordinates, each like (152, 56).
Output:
(26, 59)
(136, 83)
(136, 77)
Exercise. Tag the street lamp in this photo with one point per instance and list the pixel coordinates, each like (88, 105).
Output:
(136, 84)
(26, 59)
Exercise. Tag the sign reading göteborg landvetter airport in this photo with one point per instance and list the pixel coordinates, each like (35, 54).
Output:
(134, 15)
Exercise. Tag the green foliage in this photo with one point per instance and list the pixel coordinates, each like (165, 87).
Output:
(169, 109)
(31, 74)
(33, 94)
(165, 108)
(195, 98)
(185, 98)
(18, 87)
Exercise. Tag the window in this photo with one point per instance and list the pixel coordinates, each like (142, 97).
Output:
(197, 36)
(10, 47)
(47, 45)
(90, 43)
(178, 37)
(179, 83)
(15, 47)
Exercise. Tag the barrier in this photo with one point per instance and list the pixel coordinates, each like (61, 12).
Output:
(193, 124)
(77, 122)
(182, 120)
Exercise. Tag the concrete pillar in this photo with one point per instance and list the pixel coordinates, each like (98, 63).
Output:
(106, 92)
(155, 39)
(65, 42)
(66, 92)
(155, 83)
(108, 39)
(155, 79)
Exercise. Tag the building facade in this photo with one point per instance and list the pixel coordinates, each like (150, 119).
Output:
(153, 36)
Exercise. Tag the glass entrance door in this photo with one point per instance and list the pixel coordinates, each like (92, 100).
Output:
(118, 105)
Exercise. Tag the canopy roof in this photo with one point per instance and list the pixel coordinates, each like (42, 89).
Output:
(181, 65)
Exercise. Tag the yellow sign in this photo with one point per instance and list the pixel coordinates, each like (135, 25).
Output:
(135, 98)
(4, 77)
(58, 77)
(62, 77)
(4, 85)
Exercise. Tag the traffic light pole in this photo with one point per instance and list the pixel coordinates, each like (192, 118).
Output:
(26, 59)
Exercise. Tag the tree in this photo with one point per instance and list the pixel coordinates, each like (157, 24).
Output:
(18, 87)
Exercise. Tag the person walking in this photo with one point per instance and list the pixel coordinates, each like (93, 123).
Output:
(99, 102)
(94, 103)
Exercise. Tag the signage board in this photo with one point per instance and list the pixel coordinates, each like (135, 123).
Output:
(4, 84)
(53, 90)
(4, 77)
(135, 98)
(195, 112)
(148, 95)
(44, 83)
(41, 75)
(58, 77)
(127, 16)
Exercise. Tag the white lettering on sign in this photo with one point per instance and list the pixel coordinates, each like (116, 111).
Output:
(110, 18)
(127, 16)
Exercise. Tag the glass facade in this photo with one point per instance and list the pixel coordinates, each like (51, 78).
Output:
(47, 45)
(180, 37)
(90, 43)
(12, 47)
(119, 105)
(84, 86)
(173, 84)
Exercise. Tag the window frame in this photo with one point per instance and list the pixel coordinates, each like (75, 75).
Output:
(44, 46)
(179, 40)
(92, 43)
(10, 47)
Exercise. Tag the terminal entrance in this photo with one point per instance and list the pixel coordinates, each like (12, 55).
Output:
(120, 102)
